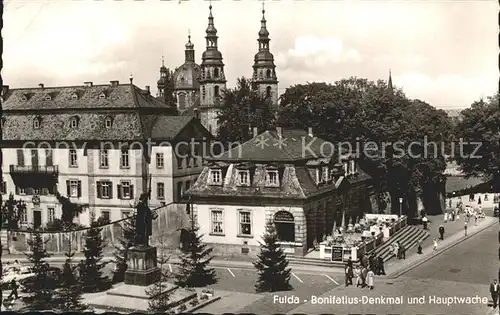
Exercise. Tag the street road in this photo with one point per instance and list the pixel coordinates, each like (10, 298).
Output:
(462, 271)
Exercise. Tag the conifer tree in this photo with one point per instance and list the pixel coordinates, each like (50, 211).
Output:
(193, 268)
(41, 285)
(159, 298)
(272, 265)
(69, 297)
(121, 250)
(91, 273)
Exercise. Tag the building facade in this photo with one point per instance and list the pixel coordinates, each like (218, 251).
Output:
(198, 88)
(272, 178)
(101, 145)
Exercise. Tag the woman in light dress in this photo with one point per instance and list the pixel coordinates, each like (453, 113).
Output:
(395, 249)
(357, 274)
(369, 279)
(435, 244)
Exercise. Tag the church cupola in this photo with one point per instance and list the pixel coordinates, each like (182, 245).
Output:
(264, 77)
(189, 52)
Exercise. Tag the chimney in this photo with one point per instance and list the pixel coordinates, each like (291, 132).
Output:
(131, 78)
(114, 83)
(310, 132)
(88, 84)
(279, 131)
(40, 85)
(5, 90)
(148, 89)
(255, 131)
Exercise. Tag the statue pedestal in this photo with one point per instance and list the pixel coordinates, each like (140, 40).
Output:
(142, 268)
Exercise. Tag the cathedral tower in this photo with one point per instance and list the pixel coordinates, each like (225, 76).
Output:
(212, 79)
(264, 77)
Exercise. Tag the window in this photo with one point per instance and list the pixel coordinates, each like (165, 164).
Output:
(24, 98)
(353, 167)
(108, 122)
(160, 190)
(36, 191)
(34, 157)
(73, 122)
(105, 215)
(272, 178)
(73, 188)
(103, 158)
(325, 173)
(346, 168)
(21, 190)
(268, 91)
(216, 90)
(217, 222)
(332, 173)
(180, 190)
(104, 190)
(36, 122)
(124, 159)
(4, 188)
(51, 214)
(49, 157)
(126, 214)
(125, 190)
(159, 160)
(245, 223)
(48, 97)
(244, 177)
(73, 158)
(74, 96)
(20, 157)
(24, 216)
(268, 73)
(215, 177)
(102, 95)
(216, 72)
(319, 176)
(179, 162)
(203, 92)
(182, 100)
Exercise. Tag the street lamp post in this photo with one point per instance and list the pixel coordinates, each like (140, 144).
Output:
(400, 207)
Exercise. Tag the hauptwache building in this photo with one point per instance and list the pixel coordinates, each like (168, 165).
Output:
(198, 88)
(100, 144)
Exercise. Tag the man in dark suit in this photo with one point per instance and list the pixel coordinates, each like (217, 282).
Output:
(494, 290)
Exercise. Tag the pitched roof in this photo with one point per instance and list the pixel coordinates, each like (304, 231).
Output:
(294, 145)
(116, 96)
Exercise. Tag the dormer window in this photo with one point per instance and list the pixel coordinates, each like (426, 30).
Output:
(346, 168)
(332, 174)
(37, 122)
(74, 96)
(272, 178)
(73, 123)
(108, 122)
(24, 98)
(319, 176)
(243, 177)
(325, 173)
(102, 95)
(215, 177)
(353, 167)
(48, 97)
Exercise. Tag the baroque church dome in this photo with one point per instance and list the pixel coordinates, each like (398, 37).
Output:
(187, 75)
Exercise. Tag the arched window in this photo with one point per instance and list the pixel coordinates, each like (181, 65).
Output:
(73, 123)
(108, 122)
(216, 72)
(181, 100)
(268, 91)
(268, 73)
(285, 226)
(216, 90)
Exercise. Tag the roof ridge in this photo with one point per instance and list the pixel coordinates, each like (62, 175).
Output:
(67, 86)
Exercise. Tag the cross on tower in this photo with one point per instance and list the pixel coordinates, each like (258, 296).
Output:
(162, 61)
(263, 6)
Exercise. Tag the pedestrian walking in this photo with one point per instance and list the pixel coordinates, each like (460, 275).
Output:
(13, 286)
(494, 291)
(435, 244)
(349, 262)
(441, 232)
(381, 265)
(371, 262)
(364, 272)
(395, 250)
(449, 203)
(425, 221)
(357, 274)
(348, 275)
(364, 260)
(419, 248)
(465, 228)
(370, 279)
(402, 252)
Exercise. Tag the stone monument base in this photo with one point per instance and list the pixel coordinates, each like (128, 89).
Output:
(142, 266)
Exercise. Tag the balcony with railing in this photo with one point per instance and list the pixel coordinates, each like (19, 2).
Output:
(51, 170)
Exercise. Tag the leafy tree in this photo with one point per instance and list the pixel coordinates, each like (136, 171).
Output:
(193, 268)
(91, 270)
(70, 210)
(272, 264)
(159, 297)
(121, 251)
(41, 285)
(58, 225)
(479, 129)
(241, 108)
(11, 212)
(69, 296)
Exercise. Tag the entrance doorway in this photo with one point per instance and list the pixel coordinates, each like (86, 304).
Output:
(37, 218)
(285, 226)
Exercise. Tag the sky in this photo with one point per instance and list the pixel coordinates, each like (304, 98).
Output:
(442, 52)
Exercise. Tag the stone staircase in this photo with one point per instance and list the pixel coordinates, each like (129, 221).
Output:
(308, 261)
(408, 237)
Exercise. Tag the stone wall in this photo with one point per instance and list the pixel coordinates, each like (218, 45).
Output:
(167, 225)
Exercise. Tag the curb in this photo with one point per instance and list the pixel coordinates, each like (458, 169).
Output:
(404, 270)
